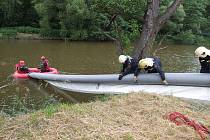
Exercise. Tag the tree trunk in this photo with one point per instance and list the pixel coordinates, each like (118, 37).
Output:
(152, 24)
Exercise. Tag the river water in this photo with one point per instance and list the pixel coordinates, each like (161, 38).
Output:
(22, 96)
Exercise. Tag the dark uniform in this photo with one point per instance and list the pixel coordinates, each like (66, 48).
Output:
(205, 64)
(129, 67)
(156, 68)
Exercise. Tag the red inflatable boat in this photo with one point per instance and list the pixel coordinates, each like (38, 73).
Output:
(25, 75)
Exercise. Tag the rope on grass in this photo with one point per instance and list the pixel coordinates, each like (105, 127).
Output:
(180, 119)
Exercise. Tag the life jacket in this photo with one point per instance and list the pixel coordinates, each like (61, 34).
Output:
(21, 68)
(45, 65)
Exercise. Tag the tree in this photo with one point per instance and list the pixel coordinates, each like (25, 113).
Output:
(17, 13)
(145, 13)
(48, 11)
(125, 18)
(153, 22)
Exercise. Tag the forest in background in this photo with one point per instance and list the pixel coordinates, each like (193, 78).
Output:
(90, 19)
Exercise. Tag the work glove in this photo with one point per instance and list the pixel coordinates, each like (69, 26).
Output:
(120, 77)
(165, 82)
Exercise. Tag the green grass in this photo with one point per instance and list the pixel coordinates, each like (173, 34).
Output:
(50, 110)
(102, 98)
(34, 119)
(128, 136)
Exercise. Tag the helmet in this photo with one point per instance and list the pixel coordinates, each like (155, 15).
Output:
(202, 52)
(144, 63)
(21, 62)
(43, 57)
(122, 59)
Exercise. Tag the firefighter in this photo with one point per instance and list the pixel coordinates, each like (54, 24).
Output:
(44, 64)
(129, 65)
(203, 54)
(151, 65)
(21, 67)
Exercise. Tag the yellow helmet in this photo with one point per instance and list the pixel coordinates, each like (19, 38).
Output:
(144, 63)
(202, 52)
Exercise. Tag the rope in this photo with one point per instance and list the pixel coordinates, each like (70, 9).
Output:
(180, 119)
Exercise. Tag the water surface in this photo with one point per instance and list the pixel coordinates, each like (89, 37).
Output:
(69, 57)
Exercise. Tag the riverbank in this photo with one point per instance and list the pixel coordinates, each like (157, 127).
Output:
(128, 117)
(25, 33)
(31, 33)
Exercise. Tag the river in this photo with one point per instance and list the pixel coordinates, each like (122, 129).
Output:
(22, 96)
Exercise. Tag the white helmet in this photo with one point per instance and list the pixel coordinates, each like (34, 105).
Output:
(145, 63)
(202, 52)
(122, 58)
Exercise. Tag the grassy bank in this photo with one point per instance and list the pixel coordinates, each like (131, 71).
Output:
(134, 116)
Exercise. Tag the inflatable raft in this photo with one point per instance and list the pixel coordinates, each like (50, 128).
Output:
(34, 70)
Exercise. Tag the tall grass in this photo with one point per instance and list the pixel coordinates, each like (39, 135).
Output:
(20, 105)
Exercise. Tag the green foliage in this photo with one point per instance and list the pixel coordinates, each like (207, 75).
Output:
(29, 30)
(125, 8)
(17, 13)
(49, 33)
(23, 105)
(7, 33)
(188, 23)
(195, 11)
(175, 24)
(11, 32)
(186, 37)
(89, 19)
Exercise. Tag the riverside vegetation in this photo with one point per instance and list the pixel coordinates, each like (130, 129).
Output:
(88, 20)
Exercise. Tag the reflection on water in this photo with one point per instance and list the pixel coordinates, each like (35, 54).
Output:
(22, 96)
(179, 58)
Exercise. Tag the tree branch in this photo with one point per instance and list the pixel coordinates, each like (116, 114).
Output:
(111, 21)
(169, 12)
(117, 42)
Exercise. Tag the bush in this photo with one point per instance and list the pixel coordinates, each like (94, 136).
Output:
(11, 32)
(50, 33)
(7, 33)
(186, 37)
(79, 35)
(30, 30)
